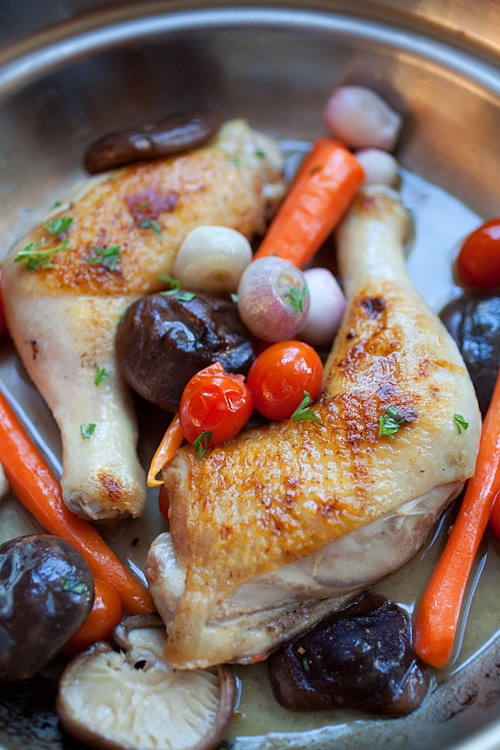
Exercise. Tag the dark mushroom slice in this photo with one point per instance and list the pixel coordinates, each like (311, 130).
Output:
(46, 594)
(130, 699)
(164, 340)
(357, 658)
(473, 319)
(169, 135)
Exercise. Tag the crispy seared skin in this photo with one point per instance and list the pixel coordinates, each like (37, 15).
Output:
(258, 525)
(63, 318)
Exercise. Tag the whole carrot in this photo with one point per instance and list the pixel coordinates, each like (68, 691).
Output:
(34, 484)
(439, 609)
(322, 191)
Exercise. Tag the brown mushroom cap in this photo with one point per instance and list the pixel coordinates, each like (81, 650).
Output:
(132, 700)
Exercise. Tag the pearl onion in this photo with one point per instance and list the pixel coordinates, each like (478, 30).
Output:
(212, 259)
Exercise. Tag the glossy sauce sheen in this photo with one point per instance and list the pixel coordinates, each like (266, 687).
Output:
(258, 712)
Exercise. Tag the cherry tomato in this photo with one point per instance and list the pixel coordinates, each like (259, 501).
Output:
(106, 612)
(279, 376)
(215, 402)
(495, 516)
(163, 502)
(478, 262)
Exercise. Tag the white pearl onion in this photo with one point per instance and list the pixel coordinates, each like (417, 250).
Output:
(361, 118)
(212, 259)
(380, 167)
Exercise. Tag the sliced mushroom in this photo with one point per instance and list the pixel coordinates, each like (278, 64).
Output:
(130, 699)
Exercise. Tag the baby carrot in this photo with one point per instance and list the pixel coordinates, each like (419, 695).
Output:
(34, 484)
(322, 191)
(439, 609)
(168, 447)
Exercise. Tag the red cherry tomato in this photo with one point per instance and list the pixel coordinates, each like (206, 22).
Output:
(163, 502)
(478, 262)
(495, 517)
(105, 614)
(280, 375)
(215, 402)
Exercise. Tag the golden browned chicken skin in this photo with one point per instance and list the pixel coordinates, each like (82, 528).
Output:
(285, 522)
(63, 312)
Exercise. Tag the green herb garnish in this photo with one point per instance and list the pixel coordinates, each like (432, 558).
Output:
(101, 374)
(36, 256)
(297, 294)
(201, 444)
(106, 256)
(87, 430)
(234, 298)
(175, 289)
(304, 412)
(76, 587)
(460, 423)
(390, 422)
(151, 224)
(59, 225)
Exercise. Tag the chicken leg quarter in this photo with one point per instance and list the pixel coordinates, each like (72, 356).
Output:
(286, 522)
(62, 312)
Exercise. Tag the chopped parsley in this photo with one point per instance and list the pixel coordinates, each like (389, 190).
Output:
(101, 374)
(175, 289)
(390, 422)
(297, 297)
(74, 586)
(106, 256)
(304, 412)
(38, 256)
(460, 423)
(87, 430)
(201, 444)
(59, 225)
(151, 224)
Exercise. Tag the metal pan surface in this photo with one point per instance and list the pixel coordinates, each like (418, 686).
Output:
(107, 66)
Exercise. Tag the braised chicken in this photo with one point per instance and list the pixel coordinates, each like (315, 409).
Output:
(67, 284)
(283, 524)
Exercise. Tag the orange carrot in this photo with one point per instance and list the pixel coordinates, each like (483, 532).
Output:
(168, 447)
(439, 609)
(33, 482)
(321, 193)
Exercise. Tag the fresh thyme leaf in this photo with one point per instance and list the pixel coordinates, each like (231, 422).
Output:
(304, 412)
(87, 430)
(390, 422)
(234, 298)
(37, 256)
(236, 161)
(460, 423)
(305, 664)
(151, 224)
(297, 294)
(59, 225)
(101, 374)
(201, 444)
(261, 154)
(73, 585)
(106, 256)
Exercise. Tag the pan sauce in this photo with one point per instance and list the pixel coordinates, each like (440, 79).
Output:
(433, 246)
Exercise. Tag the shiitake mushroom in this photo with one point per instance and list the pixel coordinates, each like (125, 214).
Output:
(153, 704)
(46, 594)
(473, 319)
(357, 658)
(164, 340)
(169, 135)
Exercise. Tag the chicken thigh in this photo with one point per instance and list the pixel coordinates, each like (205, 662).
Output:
(286, 522)
(66, 285)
